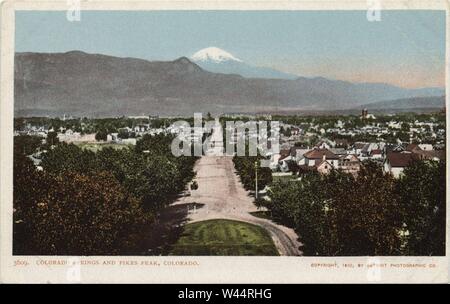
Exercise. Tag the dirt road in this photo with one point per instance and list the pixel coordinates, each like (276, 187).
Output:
(222, 195)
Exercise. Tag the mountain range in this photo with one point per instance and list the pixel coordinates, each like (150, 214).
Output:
(98, 85)
(408, 103)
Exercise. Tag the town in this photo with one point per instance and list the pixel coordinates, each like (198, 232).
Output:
(314, 194)
(306, 143)
(343, 143)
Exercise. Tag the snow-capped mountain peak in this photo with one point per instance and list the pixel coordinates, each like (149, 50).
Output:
(213, 54)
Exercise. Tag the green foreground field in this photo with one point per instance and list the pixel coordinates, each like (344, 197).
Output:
(224, 238)
(94, 147)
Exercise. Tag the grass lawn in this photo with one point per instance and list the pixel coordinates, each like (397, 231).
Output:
(224, 237)
(98, 146)
(276, 178)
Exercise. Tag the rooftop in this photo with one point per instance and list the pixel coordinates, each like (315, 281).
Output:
(397, 159)
(319, 153)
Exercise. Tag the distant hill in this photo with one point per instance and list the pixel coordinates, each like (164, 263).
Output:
(408, 103)
(82, 84)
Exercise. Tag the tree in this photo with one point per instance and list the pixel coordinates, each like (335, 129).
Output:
(422, 196)
(123, 134)
(73, 214)
(155, 180)
(302, 205)
(19, 123)
(52, 139)
(293, 166)
(339, 215)
(158, 152)
(159, 144)
(27, 144)
(101, 135)
(29, 186)
(246, 169)
(86, 202)
(367, 213)
(69, 158)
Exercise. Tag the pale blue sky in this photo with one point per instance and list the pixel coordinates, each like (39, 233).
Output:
(406, 48)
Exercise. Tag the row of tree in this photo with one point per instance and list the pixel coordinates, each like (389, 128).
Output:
(371, 214)
(354, 121)
(91, 125)
(93, 203)
(248, 167)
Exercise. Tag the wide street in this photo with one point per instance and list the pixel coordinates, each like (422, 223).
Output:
(221, 195)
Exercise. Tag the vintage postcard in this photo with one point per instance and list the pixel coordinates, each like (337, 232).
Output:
(224, 141)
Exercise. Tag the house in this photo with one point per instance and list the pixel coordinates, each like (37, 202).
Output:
(284, 163)
(427, 153)
(396, 162)
(350, 164)
(338, 151)
(298, 154)
(324, 167)
(128, 141)
(112, 137)
(323, 144)
(395, 148)
(426, 147)
(434, 155)
(357, 148)
(376, 154)
(412, 148)
(342, 143)
(295, 131)
(394, 125)
(319, 160)
(316, 155)
(367, 149)
(276, 159)
(339, 124)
